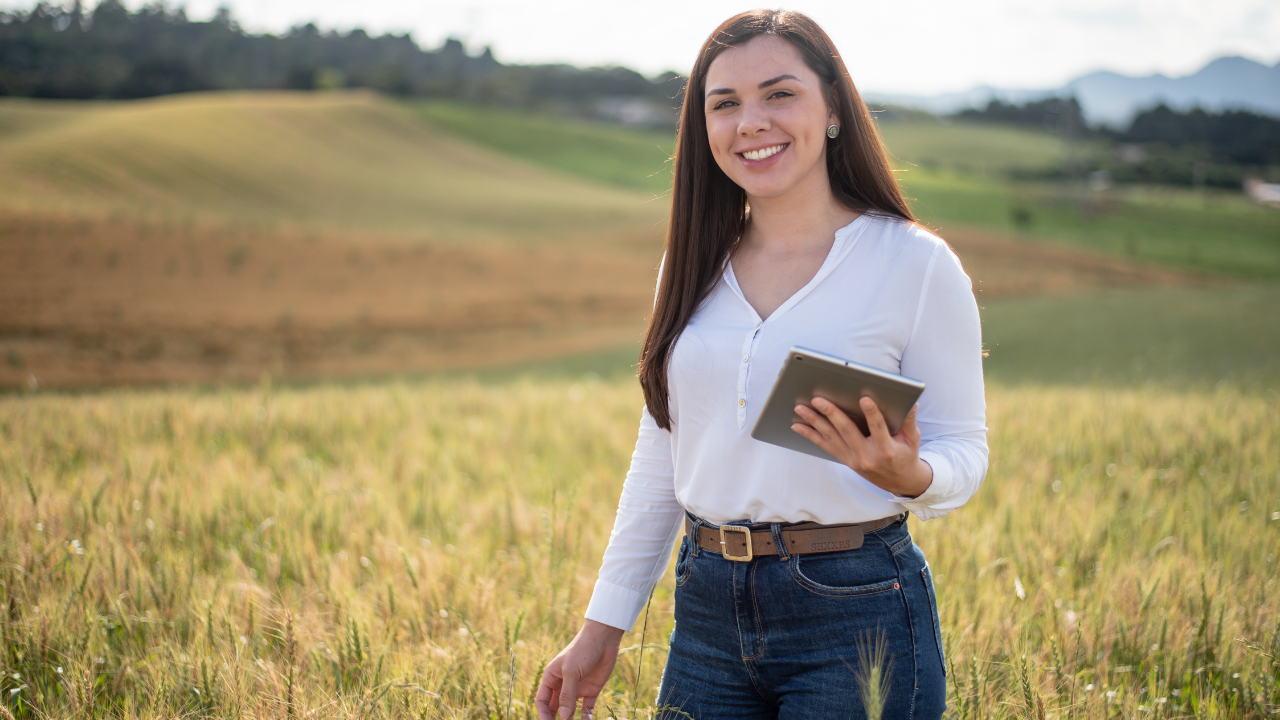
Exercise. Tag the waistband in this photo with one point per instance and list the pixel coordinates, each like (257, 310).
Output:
(741, 543)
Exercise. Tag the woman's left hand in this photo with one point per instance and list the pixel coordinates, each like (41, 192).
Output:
(891, 462)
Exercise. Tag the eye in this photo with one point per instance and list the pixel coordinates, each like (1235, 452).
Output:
(723, 104)
(779, 94)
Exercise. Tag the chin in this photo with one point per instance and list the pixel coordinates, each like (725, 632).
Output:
(764, 190)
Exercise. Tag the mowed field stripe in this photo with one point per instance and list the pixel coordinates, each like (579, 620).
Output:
(341, 159)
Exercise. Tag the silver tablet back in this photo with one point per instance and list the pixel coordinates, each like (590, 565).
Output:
(808, 373)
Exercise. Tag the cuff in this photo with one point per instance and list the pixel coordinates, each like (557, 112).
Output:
(615, 605)
(939, 490)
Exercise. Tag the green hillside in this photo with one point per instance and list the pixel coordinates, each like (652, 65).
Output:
(953, 173)
(969, 147)
(621, 156)
(338, 159)
(1211, 231)
(456, 170)
(638, 158)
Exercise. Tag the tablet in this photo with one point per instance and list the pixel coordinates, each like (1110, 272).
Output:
(807, 374)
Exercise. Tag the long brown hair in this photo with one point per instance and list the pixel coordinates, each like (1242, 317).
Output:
(709, 211)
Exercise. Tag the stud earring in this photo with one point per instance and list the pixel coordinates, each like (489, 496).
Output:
(833, 130)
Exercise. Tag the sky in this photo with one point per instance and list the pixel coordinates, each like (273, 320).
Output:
(893, 46)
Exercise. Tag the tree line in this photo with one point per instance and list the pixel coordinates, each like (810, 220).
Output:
(1160, 144)
(53, 51)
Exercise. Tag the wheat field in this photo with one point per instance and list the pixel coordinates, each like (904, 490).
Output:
(421, 549)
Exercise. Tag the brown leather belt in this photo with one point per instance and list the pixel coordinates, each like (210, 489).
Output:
(741, 544)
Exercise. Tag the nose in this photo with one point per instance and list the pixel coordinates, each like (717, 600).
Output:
(753, 120)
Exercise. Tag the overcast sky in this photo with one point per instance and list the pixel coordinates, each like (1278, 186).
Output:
(907, 46)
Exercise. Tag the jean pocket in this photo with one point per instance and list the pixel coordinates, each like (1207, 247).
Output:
(844, 574)
(684, 563)
(933, 611)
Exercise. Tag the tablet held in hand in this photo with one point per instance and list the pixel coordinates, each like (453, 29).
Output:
(808, 374)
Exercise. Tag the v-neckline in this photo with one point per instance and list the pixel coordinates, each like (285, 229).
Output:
(844, 241)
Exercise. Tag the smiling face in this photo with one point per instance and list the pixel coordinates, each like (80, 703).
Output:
(767, 118)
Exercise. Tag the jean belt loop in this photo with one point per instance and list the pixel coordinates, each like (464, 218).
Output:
(693, 536)
(776, 529)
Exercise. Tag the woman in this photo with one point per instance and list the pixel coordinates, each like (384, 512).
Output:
(787, 228)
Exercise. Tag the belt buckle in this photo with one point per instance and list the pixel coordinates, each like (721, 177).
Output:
(724, 549)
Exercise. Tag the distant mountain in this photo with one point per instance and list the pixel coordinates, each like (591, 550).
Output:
(1113, 99)
(1229, 83)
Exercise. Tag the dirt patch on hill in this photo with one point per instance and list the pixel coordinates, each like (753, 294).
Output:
(110, 301)
(1005, 265)
(102, 302)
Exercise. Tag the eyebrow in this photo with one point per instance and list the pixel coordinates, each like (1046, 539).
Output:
(761, 86)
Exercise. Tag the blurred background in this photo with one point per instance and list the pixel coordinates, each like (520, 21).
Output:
(210, 193)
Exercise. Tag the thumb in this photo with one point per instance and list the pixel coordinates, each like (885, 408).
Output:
(909, 428)
(568, 696)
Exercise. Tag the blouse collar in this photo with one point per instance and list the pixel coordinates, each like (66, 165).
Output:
(846, 238)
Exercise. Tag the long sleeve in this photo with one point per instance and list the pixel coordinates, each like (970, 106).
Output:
(648, 520)
(945, 351)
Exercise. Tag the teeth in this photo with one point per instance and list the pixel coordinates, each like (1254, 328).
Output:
(763, 153)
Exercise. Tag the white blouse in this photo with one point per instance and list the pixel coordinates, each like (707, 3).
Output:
(890, 295)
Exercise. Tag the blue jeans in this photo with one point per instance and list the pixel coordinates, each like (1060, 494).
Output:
(788, 637)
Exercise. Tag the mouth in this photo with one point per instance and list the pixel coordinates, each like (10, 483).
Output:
(763, 153)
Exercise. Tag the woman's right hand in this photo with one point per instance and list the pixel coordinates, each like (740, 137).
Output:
(579, 671)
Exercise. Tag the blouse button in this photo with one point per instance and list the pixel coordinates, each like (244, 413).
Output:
(742, 402)
(746, 358)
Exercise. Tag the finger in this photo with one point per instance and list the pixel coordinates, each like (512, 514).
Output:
(911, 418)
(875, 420)
(910, 432)
(546, 696)
(568, 697)
(851, 444)
(839, 420)
(815, 436)
(817, 421)
(588, 707)
(823, 433)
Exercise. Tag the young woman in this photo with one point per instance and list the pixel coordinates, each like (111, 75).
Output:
(787, 228)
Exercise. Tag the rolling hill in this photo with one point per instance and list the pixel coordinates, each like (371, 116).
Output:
(331, 159)
(220, 236)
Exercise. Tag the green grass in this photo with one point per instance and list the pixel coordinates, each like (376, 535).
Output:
(625, 157)
(955, 173)
(971, 148)
(422, 549)
(1171, 338)
(1214, 232)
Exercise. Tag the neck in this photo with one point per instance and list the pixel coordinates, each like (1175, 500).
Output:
(807, 215)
